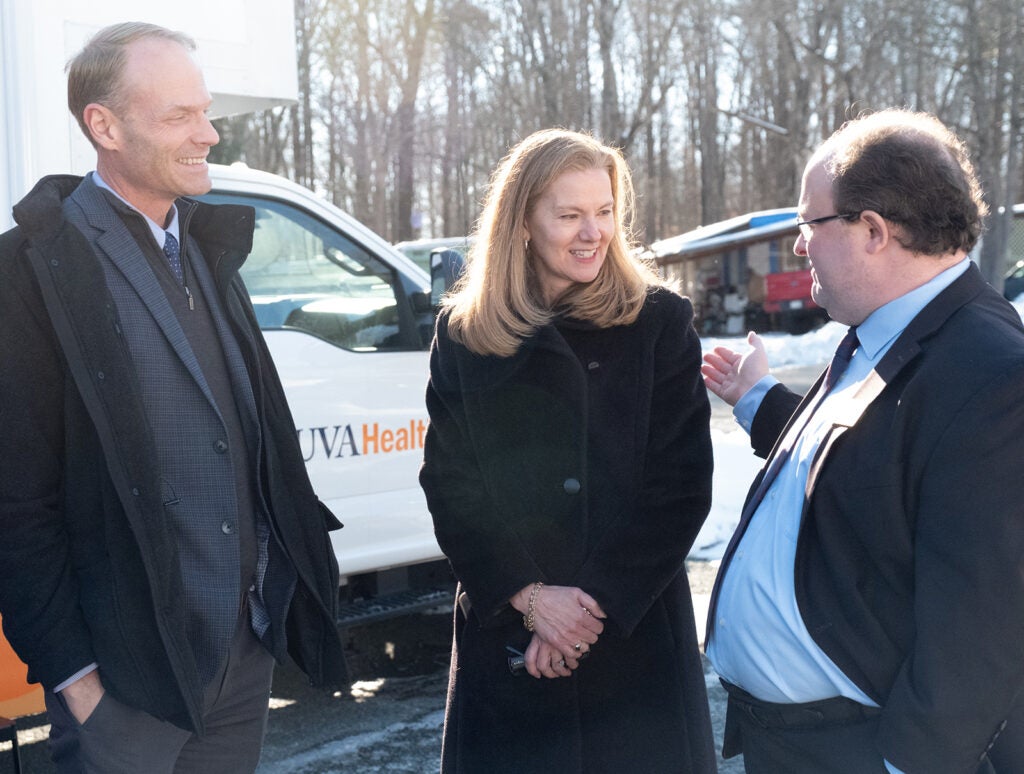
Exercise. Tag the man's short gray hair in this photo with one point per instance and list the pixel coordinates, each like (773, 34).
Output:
(94, 73)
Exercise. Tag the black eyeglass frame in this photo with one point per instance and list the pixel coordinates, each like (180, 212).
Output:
(826, 218)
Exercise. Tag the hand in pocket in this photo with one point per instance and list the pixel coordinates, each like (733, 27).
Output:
(83, 695)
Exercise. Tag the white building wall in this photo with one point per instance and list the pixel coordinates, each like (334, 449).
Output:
(247, 49)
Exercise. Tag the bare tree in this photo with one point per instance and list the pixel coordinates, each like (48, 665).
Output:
(994, 72)
(407, 105)
(303, 155)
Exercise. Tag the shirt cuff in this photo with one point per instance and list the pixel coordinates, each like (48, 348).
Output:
(747, 406)
(76, 677)
(892, 769)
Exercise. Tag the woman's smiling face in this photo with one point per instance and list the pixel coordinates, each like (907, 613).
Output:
(570, 228)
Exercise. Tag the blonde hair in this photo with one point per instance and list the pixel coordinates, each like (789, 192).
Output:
(498, 302)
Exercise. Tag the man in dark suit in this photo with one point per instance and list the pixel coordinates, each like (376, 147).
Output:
(162, 544)
(869, 611)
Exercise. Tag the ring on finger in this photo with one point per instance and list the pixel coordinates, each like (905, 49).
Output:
(578, 647)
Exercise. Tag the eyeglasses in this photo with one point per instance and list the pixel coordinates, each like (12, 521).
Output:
(824, 219)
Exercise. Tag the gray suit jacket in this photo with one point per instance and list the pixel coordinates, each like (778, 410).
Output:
(188, 426)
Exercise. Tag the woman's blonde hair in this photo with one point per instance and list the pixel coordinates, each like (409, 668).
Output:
(498, 302)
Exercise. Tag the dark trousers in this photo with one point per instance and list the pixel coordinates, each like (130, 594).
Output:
(834, 736)
(117, 739)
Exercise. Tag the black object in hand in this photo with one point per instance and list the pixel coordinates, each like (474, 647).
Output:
(517, 660)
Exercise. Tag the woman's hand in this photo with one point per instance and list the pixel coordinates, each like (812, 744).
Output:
(543, 660)
(567, 622)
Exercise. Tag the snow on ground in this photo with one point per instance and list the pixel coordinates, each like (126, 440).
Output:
(735, 468)
(784, 350)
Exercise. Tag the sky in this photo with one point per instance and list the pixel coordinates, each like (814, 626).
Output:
(735, 463)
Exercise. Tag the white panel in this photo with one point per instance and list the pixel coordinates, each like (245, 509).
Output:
(247, 48)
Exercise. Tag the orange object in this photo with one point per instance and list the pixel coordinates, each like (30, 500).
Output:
(17, 696)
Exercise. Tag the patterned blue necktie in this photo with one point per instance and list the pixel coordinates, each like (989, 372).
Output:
(174, 256)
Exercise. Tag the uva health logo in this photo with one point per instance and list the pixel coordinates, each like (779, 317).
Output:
(339, 441)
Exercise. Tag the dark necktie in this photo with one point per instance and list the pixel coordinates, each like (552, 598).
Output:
(841, 359)
(173, 254)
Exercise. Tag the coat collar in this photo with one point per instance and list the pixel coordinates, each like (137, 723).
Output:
(960, 292)
(39, 212)
(225, 231)
(114, 239)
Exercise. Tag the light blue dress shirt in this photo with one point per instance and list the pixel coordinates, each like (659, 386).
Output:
(759, 640)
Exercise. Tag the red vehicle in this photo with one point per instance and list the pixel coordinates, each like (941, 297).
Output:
(788, 302)
(743, 275)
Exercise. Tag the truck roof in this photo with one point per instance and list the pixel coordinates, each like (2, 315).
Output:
(727, 234)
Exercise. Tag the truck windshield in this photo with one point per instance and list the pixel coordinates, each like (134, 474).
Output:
(303, 274)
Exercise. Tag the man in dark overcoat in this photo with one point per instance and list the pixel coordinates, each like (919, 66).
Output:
(162, 544)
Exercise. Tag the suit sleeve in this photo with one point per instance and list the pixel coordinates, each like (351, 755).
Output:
(965, 671)
(39, 598)
(488, 557)
(644, 548)
(772, 415)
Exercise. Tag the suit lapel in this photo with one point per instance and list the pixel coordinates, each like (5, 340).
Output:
(846, 412)
(240, 380)
(115, 242)
(904, 350)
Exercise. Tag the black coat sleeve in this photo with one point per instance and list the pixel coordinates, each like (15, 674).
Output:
(39, 596)
(488, 556)
(772, 415)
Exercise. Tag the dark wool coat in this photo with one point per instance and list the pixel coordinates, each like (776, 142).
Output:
(88, 564)
(583, 460)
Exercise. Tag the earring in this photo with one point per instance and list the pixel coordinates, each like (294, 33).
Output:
(526, 245)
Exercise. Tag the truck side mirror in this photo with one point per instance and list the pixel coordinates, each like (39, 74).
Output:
(421, 302)
(445, 267)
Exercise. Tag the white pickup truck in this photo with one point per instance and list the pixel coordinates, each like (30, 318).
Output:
(348, 320)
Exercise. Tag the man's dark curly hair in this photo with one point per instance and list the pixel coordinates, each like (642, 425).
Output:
(913, 171)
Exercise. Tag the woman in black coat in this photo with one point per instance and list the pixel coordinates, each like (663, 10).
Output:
(568, 471)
